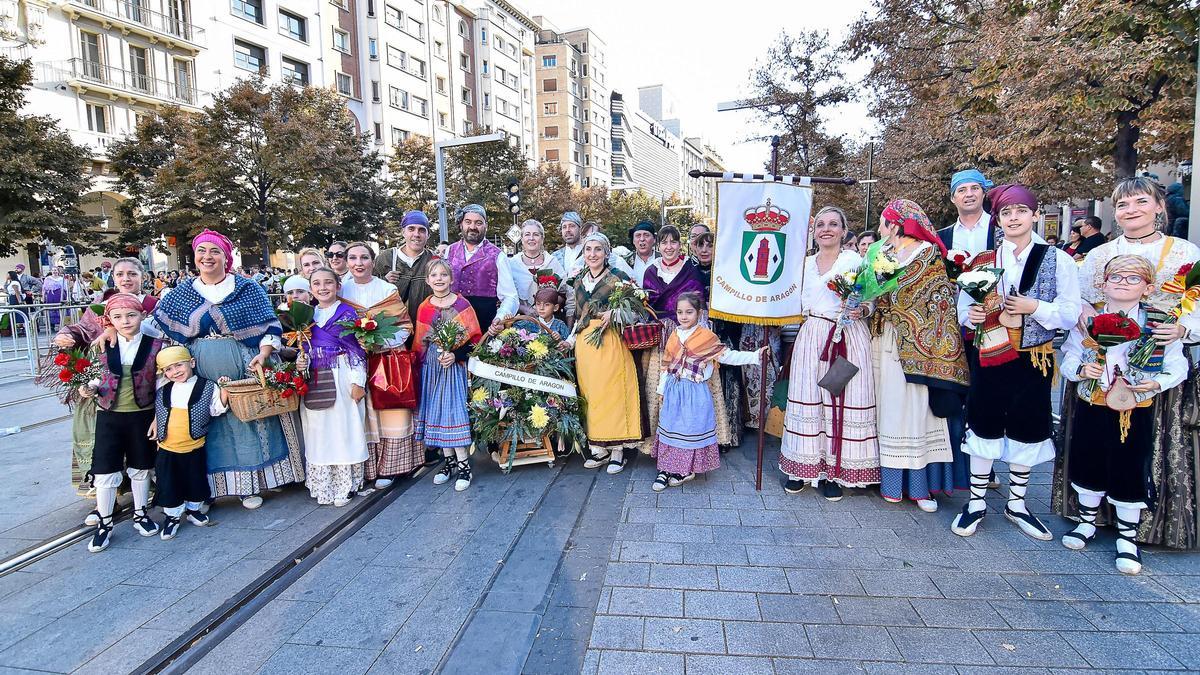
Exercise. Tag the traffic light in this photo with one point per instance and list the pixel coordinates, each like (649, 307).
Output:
(514, 197)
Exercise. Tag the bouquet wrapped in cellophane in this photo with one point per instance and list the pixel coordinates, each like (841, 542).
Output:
(878, 274)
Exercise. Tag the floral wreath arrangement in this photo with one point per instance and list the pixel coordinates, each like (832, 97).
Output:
(503, 411)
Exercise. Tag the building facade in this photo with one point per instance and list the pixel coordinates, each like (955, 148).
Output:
(573, 104)
(645, 154)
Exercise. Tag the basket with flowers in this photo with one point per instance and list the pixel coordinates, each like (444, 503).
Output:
(271, 391)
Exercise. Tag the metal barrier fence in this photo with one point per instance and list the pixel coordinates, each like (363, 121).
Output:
(27, 331)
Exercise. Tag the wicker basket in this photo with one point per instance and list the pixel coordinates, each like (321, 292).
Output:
(251, 399)
(642, 335)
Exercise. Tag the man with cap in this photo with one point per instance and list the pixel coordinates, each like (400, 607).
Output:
(972, 232)
(571, 254)
(404, 266)
(481, 272)
(641, 237)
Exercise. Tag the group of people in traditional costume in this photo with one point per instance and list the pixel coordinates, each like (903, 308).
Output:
(941, 386)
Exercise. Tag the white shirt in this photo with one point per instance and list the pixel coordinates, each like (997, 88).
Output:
(729, 357)
(1058, 314)
(371, 293)
(1174, 371)
(640, 266)
(215, 293)
(506, 287)
(973, 240)
(817, 299)
(128, 348)
(570, 257)
(181, 392)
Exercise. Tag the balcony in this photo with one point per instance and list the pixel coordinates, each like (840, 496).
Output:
(132, 16)
(96, 142)
(118, 84)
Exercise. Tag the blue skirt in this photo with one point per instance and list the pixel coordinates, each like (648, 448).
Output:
(687, 419)
(935, 478)
(231, 444)
(442, 420)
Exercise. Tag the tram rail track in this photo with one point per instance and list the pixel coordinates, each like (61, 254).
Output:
(206, 634)
(56, 543)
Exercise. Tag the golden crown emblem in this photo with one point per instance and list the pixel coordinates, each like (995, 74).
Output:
(768, 218)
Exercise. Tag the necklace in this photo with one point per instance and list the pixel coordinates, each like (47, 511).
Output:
(595, 277)
(529, 261)
(1145, 236)
(442, 297)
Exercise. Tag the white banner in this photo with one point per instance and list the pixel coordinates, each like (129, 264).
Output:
(519, 378)
(758, 263)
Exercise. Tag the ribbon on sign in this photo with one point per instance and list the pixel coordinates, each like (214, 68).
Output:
(519, 378)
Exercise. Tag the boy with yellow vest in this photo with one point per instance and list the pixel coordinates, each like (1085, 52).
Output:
(183, 409)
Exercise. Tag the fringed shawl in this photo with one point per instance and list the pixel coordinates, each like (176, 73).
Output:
(663, 294)
(923, 309)
(328, 343)
(461, 312)
(687, 359)
(245, 315)
(594, 302)
(391, 306)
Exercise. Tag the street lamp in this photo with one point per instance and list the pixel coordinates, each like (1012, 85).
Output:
(440, 170)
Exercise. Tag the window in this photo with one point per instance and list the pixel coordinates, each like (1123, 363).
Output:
(375, 91)
(393, 17)
(249, 57)
(575, 111)
(549, 85)
(415, 28)
(499, 43)
(417, 67)
(373, 48)
(248, 9)
(465, 96)
(574, 67)
(487, 101)
(549, 61)
(295, 72)
(378, 132)
(139, 68)
(462, 28)
(618, 171)
(616, 145)
(441, 84)
(397, 58)
(399, 136)
(464, 62)
(97, 118)
(483, 35)
(184, 90)
(370, 7)
(340, 4)
(439, 49)
(550, 108)
(551, 155)
(398, 98)
(89, 44)
(437, 14)
(501, 74)
(345, 84)
(295, 27)
(420, 106)
(550, 132)
(341, 40)
(443, 120)
(485, 66)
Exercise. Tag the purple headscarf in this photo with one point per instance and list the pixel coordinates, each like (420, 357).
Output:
(1008, 195)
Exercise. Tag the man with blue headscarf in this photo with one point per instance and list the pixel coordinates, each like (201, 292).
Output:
(972, 232)
(404, 265)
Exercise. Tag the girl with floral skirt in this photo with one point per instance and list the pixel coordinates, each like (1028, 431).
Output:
(442, 420)
(685, 442)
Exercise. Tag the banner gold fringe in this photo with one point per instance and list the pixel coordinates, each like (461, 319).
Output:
(757, 320)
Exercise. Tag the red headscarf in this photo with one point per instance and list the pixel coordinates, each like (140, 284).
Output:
(221, 241)
(122, 301)
(912, 221)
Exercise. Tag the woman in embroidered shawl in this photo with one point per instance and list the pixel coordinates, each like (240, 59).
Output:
(1140, 208)
(607, 377)
(390, 431)
(230, 327)
(918, 361)
(685, 441)
(128, 274)
(442, 420)
(829, 439)
(333, 411)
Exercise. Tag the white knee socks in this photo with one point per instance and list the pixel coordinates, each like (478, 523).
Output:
(981, 469)
(106, 493)
(140, 480)
(460, 454)
(1018, 481)
(1089, 504)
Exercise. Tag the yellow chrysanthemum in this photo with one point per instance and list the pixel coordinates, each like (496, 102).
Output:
(479, 395)
(884, 265)
(538, 349)
(538, 417)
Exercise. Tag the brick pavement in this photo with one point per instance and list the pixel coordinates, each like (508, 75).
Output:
(716, 578)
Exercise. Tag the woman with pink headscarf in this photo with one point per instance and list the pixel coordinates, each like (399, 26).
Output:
(229, 325)
(919, 365)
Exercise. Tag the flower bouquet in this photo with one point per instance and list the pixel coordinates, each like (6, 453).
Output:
(297, 321)
(547, 278)
(272, 391)
(286, 380)
(75, 369)
(877, 275)
(977, 284)
(1146, 354)
(629, 310)
(447, 334)
(956, 261)
(1108, 330)
(372, 333)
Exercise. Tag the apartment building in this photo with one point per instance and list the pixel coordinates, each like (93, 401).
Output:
(504, 48)
(645, 154)
(702, 192)
(572, 98)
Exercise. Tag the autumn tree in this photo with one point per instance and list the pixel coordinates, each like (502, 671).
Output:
(42, 173)
(413, 182)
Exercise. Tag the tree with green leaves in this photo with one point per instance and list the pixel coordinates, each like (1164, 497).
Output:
(266, 164)
(413, 181)
(42, 173)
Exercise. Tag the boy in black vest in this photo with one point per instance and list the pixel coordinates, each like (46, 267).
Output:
(183, 409)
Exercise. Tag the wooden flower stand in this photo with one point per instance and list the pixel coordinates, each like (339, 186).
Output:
(528, 452)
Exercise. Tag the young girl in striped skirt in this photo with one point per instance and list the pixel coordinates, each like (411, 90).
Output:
(442, 420)
(685, 442)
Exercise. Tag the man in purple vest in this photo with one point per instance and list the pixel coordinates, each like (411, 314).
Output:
(488, 286)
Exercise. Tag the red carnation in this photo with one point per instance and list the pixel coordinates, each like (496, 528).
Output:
(82, 365)
(297, 380)
(281, 376)
(65, 375)
(1183, 271)
(286, 393)
(62, 359)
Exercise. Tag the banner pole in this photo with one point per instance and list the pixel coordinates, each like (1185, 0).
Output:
(762, 407)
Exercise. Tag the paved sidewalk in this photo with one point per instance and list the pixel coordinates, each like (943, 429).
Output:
(716, 578)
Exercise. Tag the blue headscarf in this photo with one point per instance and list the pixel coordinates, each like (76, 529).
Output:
(469, 208)
(571, 216)
(969, 176)
(416, 218)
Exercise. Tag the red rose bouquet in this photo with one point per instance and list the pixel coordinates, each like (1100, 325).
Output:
(1109, 330)
(956, 262)
(285, 379)
(372, 333)
(73, 368)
